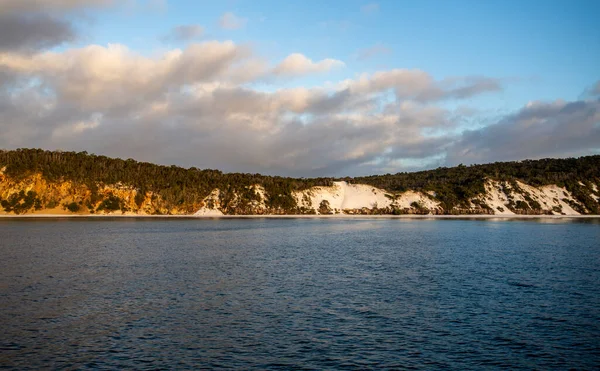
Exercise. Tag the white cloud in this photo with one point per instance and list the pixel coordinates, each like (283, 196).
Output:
(100, 77)
(298, 64)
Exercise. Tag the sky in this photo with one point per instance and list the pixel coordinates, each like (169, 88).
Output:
(302, 88)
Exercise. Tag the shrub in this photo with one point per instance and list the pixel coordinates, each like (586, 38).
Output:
(324, 207)
(72, 207)
(21, 202)
(112, 203)
(521, 205)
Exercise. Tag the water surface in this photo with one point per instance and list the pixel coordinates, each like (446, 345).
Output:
(299, 293)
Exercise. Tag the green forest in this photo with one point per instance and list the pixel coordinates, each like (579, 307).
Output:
(453, 186)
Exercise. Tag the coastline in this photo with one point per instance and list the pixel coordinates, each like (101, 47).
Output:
(301, 216)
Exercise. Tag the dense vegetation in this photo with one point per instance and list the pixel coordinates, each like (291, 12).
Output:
(21, 202)
(176, 185)
(453, 187)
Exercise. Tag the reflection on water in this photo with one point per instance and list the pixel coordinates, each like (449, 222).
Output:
(300, 293)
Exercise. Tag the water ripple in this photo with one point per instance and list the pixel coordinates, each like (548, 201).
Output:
(299, 294)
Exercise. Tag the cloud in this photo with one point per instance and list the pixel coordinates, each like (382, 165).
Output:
(183, 107)
(184, 33)
(230, 21)
(420, 86)
(98, 77)
(373, 51)
(206, 106)
(370, 8)
(298, 64)
(38, 24)
(37, 6)
(538, 130)
(21, 32)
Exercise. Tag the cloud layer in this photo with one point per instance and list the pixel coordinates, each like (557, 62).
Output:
(25, 32)
(554, 129)
(213, 105)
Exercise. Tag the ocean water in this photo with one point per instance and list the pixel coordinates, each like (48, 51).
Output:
(299, 294)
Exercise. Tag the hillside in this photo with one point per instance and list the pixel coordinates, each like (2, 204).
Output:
(38, 181)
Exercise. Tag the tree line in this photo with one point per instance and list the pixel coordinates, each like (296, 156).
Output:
(453, 187)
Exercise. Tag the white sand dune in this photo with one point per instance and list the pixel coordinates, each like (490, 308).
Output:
(211, 205)
(595, 189)
(343, 197)
(407, 198)
(550, 197)
(496, 198)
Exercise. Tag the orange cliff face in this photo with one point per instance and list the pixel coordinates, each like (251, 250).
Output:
(66, 197)
(34, 194)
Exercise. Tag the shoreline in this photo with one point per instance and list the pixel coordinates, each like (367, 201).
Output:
(291, 216)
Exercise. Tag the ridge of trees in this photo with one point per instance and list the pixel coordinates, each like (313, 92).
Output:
(453, 186)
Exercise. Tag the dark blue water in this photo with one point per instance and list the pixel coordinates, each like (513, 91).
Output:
(299, 293)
